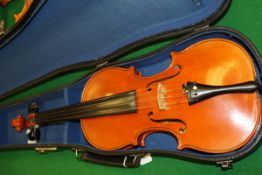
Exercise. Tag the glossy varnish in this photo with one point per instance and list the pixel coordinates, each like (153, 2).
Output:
(216, 125)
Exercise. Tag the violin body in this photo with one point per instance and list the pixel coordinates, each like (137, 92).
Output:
(219, 124)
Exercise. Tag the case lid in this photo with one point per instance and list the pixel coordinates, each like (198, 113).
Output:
(66, 32)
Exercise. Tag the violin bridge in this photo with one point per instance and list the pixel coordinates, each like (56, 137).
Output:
(161, 97)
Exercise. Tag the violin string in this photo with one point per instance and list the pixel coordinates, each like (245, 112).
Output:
(77, 113)
(175, 96)
(116, 105)
(68, 116)
(174, 90)
(166, 97)
(155, 99)
(148, 100)
(178, 94)
(145, 100)
(140, 95)
(168, 104)
(155, 85)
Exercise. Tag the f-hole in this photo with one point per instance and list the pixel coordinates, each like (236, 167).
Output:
(164, 78)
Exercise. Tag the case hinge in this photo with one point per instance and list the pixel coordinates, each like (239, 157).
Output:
(102, 64)
(201, 28)
(225, 165)
(43, 150)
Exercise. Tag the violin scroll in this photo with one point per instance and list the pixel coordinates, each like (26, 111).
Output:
(19, 123)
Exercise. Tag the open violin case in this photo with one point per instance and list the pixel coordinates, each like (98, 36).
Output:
(78, 38)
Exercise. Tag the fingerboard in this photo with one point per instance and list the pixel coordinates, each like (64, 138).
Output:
(110, 105)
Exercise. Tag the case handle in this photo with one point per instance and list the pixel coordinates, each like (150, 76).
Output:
(126, 161)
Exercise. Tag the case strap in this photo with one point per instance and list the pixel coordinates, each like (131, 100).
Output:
(126, 161)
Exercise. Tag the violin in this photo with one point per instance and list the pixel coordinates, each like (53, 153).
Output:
(207, 99)
(22, 13)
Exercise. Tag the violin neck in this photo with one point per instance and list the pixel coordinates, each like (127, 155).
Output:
(111, 105)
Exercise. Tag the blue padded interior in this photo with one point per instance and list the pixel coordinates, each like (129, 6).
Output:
(66, 32)
(70, 132)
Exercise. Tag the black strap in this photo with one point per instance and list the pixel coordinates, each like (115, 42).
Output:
(128, 161)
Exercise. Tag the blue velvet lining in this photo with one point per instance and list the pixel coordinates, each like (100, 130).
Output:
(65, 32)
(70, 132)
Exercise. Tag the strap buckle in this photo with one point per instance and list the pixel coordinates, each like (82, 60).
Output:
(129, 156)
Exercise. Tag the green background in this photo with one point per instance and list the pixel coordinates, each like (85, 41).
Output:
(243, 15)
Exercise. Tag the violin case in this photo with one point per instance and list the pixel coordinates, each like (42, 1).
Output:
(59, 44)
